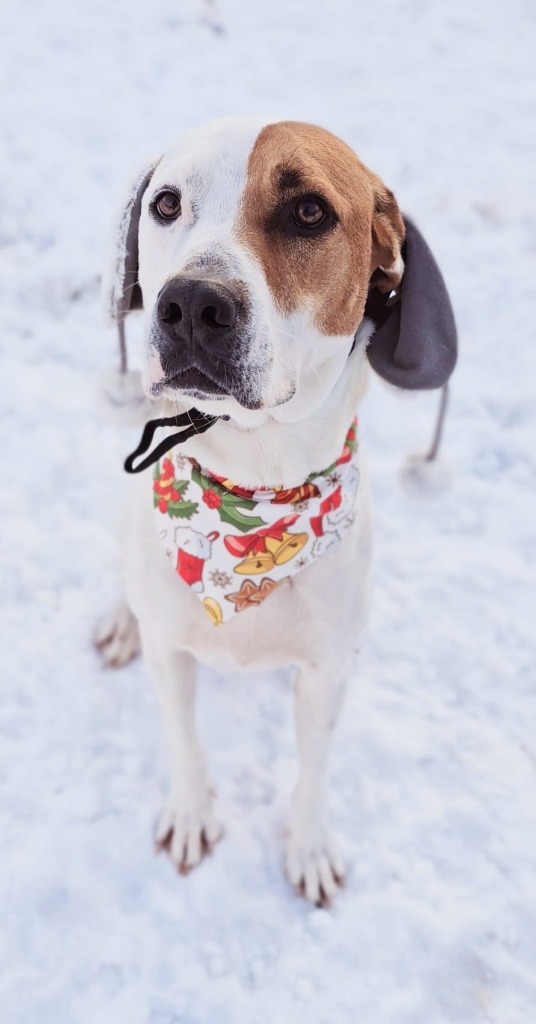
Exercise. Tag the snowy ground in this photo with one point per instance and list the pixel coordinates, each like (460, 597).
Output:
(433, 771)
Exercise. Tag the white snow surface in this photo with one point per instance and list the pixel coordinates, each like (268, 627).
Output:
(432, 776)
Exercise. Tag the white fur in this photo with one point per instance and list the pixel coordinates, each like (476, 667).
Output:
(397, 269)
(314, 622)
(112, 282)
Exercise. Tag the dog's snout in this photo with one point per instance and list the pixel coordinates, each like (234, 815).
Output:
(201, 337)
(197, 309)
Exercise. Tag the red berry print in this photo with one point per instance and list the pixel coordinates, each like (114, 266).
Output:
(212, 499)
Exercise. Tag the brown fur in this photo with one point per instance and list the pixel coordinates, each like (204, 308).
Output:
(331, 271)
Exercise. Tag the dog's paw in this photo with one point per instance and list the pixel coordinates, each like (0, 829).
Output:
(117, 637)
(187, 835)
(314, 865)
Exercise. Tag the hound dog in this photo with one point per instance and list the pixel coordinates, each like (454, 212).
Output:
(273, 267)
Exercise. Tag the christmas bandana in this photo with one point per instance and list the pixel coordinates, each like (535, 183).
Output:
(233, 546)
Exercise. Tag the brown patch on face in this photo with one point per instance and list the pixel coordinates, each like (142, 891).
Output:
(328, 267)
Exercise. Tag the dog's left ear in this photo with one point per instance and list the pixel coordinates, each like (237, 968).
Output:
(122, 292)
(414, 345)
(122, 393)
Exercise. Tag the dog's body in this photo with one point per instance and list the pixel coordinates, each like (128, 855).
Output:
(255, 293)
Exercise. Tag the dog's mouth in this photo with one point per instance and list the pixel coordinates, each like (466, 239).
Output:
(197, 385)
(191, 381)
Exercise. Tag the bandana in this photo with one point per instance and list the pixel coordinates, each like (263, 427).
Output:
(233, 546)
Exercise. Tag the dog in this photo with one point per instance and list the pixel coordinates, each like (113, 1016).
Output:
(273, 268)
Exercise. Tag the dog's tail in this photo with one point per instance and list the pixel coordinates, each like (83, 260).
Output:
(425, 474)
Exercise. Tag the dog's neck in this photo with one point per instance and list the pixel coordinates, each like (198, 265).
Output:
(282, 453)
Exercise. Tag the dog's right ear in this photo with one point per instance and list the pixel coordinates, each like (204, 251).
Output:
(415, 344)
(122, 292)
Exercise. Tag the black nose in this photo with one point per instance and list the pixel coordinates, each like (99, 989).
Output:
(201, 311)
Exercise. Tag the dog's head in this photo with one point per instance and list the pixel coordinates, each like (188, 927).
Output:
(258, 252)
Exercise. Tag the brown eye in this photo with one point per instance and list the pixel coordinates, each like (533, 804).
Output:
(309, 213)
(168, 205)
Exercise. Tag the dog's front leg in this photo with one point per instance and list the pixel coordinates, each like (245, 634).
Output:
(313, 859)
(187, 827)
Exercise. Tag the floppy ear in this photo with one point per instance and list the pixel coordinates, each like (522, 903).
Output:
(122, 290)
(388, 233)
(414, 345)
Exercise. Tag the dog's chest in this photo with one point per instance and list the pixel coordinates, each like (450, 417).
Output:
(321, 608)
(232, 546)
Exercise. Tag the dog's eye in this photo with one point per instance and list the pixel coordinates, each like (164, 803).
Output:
(167, 205)
(309, 212)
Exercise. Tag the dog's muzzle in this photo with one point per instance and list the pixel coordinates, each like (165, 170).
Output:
(198, 325)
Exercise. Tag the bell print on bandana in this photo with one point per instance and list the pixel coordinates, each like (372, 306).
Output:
(280, 530)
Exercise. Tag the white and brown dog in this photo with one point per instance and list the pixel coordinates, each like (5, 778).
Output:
(266, 258)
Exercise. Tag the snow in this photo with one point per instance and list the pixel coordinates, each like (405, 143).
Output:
(432, 776)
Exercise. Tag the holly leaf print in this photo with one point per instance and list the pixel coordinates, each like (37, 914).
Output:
(182, 509)
(207, 485)
(229, 513)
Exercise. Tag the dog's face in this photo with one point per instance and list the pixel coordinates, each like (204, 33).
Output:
(257, 245)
